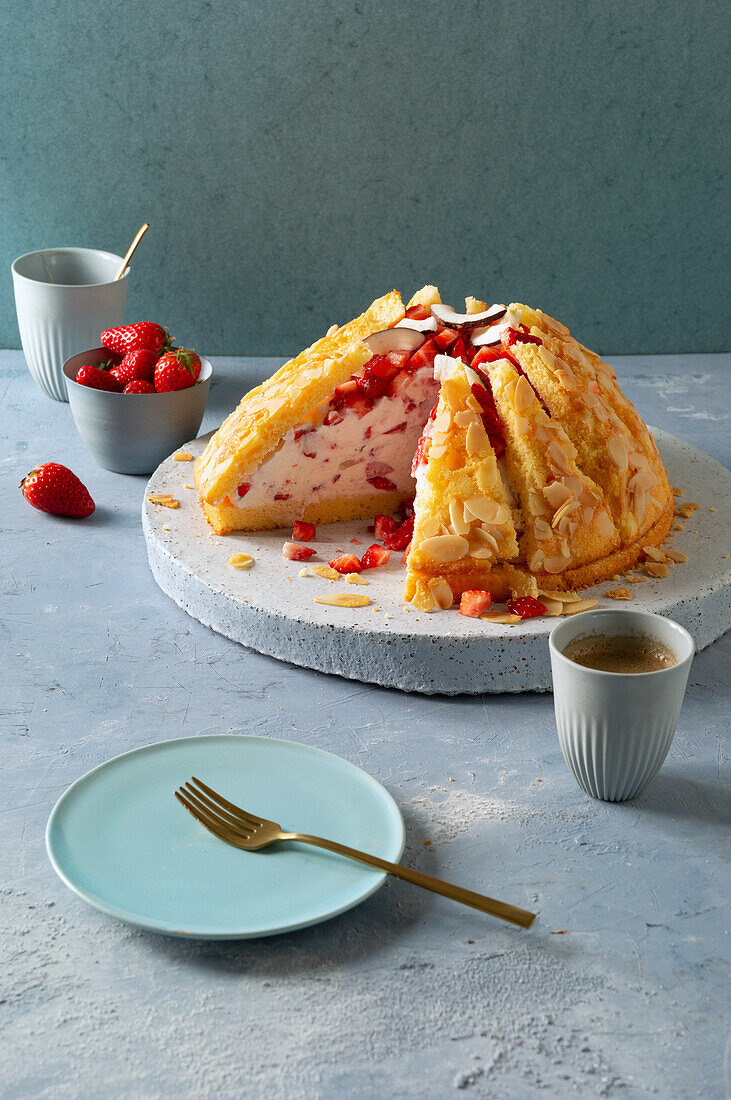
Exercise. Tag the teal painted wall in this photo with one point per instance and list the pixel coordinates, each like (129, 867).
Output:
(297, 158)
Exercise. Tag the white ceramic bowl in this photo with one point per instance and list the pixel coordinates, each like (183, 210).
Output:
(131, 433)
(65, 297)
(615, 729)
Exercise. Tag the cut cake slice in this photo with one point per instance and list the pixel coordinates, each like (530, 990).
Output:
(462, 517)
(331, 435)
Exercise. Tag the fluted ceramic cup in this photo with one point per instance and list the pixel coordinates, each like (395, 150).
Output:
(615, 728)
(65, 297)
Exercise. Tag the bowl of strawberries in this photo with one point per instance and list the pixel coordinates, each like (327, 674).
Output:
(137, 398)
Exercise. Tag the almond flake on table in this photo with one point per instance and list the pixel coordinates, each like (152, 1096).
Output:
(344, 599)
(182, 456)
(500, 618)
(241, 561)
(355, 578)
(686, 510)
(619, 594)
(326, 572)
(580, 605)
(656, 569)
(676, 555)
(165, 500)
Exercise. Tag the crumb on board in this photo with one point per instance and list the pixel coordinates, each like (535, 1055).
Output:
(182, 456)
(165, 500)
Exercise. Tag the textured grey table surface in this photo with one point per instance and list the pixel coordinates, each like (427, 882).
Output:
(407, 995)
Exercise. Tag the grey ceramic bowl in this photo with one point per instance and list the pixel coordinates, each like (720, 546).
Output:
(131, 433)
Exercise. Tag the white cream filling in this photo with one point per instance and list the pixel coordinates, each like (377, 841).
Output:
(336, 459)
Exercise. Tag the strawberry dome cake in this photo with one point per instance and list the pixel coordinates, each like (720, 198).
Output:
(528, 467)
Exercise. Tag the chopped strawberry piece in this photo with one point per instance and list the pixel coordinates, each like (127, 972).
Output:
(401, 537)
(487, 355)
(348, 563)
(405, 554)
(381, 366)
(397, 359)
(381, 483)
(459, 350)
(512, 336)
(243, 488)
(332, 417)
(417, 313)
(398, 428)
(474, 602)
(303, 532)
(374, 556)
(445, 338)
(406, 509)
(361, 407)
(527, 607)
(282, 496)
(423, 356)
(294, 552)
(384, 525)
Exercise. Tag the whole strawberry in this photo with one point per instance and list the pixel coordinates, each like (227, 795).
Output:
(136, 366)
(141, 336)
(54, 488)
(139, 385)
(175, 371)
(190, 358)
(99, 378)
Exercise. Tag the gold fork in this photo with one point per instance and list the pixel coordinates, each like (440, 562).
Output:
(244, 830)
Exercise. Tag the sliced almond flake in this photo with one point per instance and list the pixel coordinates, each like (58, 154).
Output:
(241, 561)
(619, 594)
(675, 555)
(553, 607)
(481, 552)
(486, 510)
(457, 514)
(541, 529)
(618, 452)
(355, 578)
(484, 478)
(604, 524)
(522, 425)
(557, 494)
(442, 422)
(485, 536)
(430, 526)
(303, 572)
(445, 547)
(476, 440)
(344, 599)
(566, 377)
(547, 357)
(182, 456)
(524, 396)
(164, 500)
(499, 618)
(653, 553)
(686, 510)
(326, 572)
(442, 593)
(656, 569)
(436, 451)
(677, 492)
(635, 580)
(564, 597)
(556, 563)
(464, 418)
(580, 605)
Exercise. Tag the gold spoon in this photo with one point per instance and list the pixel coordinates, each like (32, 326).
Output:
(130, 251)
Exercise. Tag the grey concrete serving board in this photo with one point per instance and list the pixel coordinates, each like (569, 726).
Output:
(272, 610)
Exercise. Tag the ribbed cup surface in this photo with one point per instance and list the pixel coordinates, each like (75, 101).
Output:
(615, 729)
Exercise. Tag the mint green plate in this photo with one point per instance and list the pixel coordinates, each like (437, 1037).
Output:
(122, 842)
